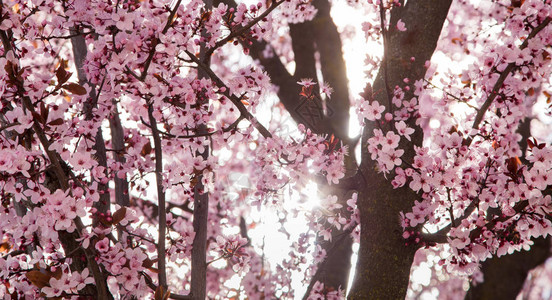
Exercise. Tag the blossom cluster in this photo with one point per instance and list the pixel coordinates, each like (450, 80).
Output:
(77, 123)
(475, 184)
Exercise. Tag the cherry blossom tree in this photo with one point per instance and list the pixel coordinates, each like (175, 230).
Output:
(142, 143)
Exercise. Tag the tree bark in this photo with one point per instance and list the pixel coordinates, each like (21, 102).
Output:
(504, 276)
(383, 267)
(319, 34)
(198, 280)
(122, 196)
(329, 46)
(79, 53)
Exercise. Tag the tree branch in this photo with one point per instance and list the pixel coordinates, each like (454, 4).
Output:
(332, 64)
(243, 29)
(79, 53)
(204, 134)
(334, 248)
(288, 89)
(378, 202)
(58, 170)
(384, 60)
(13, 253)
(156, 40)
(117, 142)
(161, 199)
(152, 286)
(503, 75)
(64, 183)
(302, 43)
(237, 101)
(198, 280)
(440, 237)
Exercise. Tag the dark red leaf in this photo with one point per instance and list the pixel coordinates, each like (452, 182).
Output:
(119, 215)
(38, 117)
(61, 74)
(56, 122)
(513, 164)
(75, 88)
(530, 143)
(146, 149)
(38, 278)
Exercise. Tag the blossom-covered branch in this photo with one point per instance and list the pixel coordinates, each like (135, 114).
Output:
(504, 74)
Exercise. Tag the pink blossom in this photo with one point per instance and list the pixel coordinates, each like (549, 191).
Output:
(123, 22)
(80, 280)
(400, 25)
(404, 130)
(81, 161)
(306, 82)
(326, 89)
(102, 245)
(371, 111)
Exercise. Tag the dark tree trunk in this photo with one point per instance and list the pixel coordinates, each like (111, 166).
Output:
(335, 273)
(384, 262)
(383, 267)
(504, 276)
(332, 65)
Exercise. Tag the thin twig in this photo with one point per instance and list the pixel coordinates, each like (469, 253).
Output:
(7, 126)
(191, 136)
(451, 211)
(13, 253)
(152, 286)
(451, 95)
(65, 37)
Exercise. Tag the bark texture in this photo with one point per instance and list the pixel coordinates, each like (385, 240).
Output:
(79, 53)
(198, 280)
(322, 33)
(319, 35)
(384, 262)
(504, 276)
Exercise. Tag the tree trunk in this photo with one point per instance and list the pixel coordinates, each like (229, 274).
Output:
(504, 276)
(383, 267)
